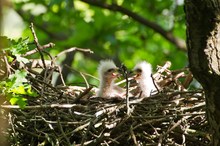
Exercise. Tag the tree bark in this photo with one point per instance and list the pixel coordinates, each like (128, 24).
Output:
(203, 42)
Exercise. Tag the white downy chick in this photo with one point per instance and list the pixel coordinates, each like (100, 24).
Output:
(143, 71)
(108, 74)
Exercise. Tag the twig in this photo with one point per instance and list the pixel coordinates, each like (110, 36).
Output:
(169, 130)
(71, 50)
(155, 84)
(133, 136)
(87, 132)
(30, 133)
(82, 94)
(81, 72)
(49, 45)
(125, 74)
(166, 66)
(8, 71)
(188, 80)
(12, 126)
(61, 75)
(87, 84)
(61, 106)
(39, 48)
(61, 128)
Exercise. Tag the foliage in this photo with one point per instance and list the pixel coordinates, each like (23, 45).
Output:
(110, 34)
(16, 87)
(15, 49)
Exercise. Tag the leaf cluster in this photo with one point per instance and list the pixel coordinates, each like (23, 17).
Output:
(16, 87)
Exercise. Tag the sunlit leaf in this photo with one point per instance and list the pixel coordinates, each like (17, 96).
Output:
(13, 100)
(19, 90)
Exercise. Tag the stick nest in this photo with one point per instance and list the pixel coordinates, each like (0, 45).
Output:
(71, 115)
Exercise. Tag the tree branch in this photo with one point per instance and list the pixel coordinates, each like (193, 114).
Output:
(166, 34)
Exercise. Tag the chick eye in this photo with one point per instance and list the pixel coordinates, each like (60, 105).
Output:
(138, 70)
(110, 70)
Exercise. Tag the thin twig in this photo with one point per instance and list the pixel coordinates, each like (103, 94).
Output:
(71, 50)
(81, 72)
(39, 48)
(61, 128)
(49, 45)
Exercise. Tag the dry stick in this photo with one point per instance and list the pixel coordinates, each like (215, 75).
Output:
(169, 130)
(49, 85)
(30, 133)
(125, 74)
(39, 48)
(12, 126)
(178, 83)
(82, 94)
(61, 75)
(133, 136)
(6, 63)
(71, 50)
(81, 72)
(49, 45)
(188, 80)
(127, 97)
(87, 132)
(149, 122)
(177, 71)
(39, 118)
(162, 69)
(61, 128)
(67, 51)
(87, 84)
(155, 83)
(61, 106)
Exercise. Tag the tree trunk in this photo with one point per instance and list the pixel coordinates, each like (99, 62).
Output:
(203, 42)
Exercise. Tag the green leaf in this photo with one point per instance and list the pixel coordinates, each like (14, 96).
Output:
(10, 59)
(19, 100)
(18, 47)
(18, 78)
(31, 93)
(13, 100)
(19, 90)
(22, 102)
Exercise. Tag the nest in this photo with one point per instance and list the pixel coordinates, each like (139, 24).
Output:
(71, 115)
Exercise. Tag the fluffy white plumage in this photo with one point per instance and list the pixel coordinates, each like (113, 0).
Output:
(107, 74)
(143, 71)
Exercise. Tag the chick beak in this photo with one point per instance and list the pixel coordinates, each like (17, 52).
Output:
(136, 75)
(116, 74)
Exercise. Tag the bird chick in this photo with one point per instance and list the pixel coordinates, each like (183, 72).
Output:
(143, 71)
(108, 73)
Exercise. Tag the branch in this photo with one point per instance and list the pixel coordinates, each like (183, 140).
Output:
(58, 106)
(39, 48)
(50, 45)
(74, 49)
(166, 34)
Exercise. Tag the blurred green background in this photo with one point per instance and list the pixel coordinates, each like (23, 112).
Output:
(126, 31)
